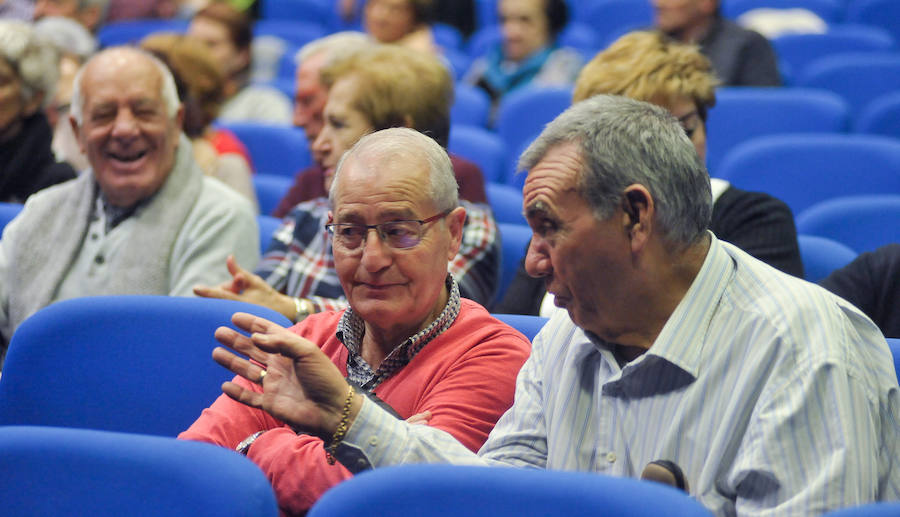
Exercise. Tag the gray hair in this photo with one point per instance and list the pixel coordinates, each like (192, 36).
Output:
(69, 36)
(624, 142)
(403, 143)
(169, 93)
(35, 60)
(335, 46)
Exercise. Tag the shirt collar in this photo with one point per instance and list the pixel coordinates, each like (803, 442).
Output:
(681, 339)
(351, 329)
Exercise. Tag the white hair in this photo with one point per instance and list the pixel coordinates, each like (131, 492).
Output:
(169, 92)
(35, 60)
(335, 46)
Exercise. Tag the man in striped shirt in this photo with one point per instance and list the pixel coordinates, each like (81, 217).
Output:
(772, 396)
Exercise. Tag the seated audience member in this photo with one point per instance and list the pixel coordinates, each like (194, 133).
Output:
(28, 72)
(401, 22)
(120, 10)
(740, 57)
(872, 283)
(650, 67)
(310, 101)
(89, 13)
(528, 53)
(142, 220)
(459, 14)
(407, 338)
(200, 82)
(379, 88)
(75, 44)
(228, 34)
(771, 395)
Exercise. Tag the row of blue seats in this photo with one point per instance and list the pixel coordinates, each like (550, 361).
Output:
(46, 468)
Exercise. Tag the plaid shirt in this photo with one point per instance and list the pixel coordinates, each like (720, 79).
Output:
(352, 328)
(300, 262)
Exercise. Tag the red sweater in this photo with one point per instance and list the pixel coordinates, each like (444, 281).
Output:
(465, 377)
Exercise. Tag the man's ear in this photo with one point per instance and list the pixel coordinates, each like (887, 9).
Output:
(76, 130)
(638, 209)
(455, 222)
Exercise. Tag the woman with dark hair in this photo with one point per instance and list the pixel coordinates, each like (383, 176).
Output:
(28, 72)
(228, 33)
(528, 52)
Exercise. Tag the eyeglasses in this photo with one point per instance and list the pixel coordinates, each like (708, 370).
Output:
(396, 234)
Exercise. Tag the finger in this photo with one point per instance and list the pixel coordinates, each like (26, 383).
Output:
(214, 292)
(244, 396)
(237, 365)
(419, 418)
(241, 344)
(233, 266)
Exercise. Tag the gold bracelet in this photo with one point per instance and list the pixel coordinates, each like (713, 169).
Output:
(341, 430)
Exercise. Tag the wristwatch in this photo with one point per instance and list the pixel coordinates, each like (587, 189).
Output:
(303, 308)
(245, 444)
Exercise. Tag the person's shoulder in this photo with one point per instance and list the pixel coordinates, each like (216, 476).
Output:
(735, 198)
(737, 32)
(218, 197)
(792, 307)
(475, 321)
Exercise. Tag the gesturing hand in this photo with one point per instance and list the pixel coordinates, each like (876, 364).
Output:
(248, 287)
(302, 387)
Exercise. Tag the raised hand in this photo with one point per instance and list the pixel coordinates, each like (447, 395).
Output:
(301, 387)
(248, 287)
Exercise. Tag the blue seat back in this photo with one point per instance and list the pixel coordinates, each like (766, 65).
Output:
(881, 116)
(821, 256)
(471, 106)
(524, 323)
(273, 149)
(802, 170)
(862, 223)
(506, 203)
(138, 364)
(523, 113)
(515, 239)
(268, 225)
(858, 77)
(452, 490)
(481, 146)
(8, 212)
(270, 189)
(744, 113)
(49, 471)
(799, 50)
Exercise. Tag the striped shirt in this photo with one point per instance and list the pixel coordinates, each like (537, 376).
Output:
(300, 263)
(774, 396)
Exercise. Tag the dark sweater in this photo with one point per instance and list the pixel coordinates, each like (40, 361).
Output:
(27, 164)
(872, 283)
(758, 223)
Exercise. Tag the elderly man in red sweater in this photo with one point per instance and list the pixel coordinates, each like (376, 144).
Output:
(407, 337)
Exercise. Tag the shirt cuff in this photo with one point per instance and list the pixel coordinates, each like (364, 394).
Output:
(367, 442)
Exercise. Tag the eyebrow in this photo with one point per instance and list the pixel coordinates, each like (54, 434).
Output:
(537, 209)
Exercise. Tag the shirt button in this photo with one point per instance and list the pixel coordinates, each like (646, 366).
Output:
(611, 457)
(99, 259)
(373, 441)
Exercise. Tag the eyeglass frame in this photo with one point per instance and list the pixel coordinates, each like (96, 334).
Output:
(378, 229)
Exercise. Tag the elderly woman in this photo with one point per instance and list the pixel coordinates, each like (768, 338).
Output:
(651, 67)
(228, 33)
(200, 84)
(28, 73)
(528, 52)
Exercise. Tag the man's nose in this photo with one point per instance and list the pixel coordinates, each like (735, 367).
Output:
(537, 260)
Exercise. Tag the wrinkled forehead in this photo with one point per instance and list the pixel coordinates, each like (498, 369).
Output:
(382, 175)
